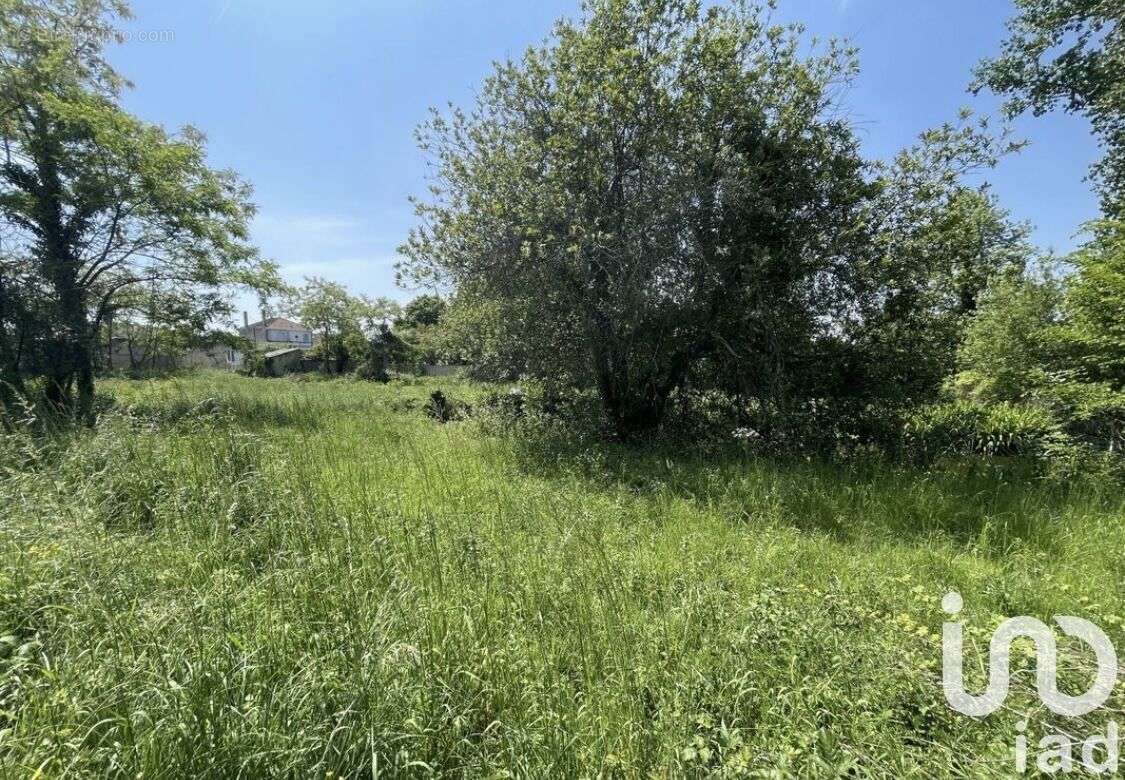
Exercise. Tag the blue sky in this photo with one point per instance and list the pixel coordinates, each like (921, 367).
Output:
(316, 103)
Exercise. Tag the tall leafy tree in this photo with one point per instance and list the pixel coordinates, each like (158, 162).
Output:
(344, 323)
(1095, 306)
(96, 200)
(658, 186)
(936, 244)
(420, 325)
(422, 312)
(1069, 54)
(1011, 347)
(159, 320)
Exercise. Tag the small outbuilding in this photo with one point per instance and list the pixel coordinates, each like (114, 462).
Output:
(284, 361)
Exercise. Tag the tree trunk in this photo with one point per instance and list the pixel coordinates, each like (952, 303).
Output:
(634, 417)
(109, 341)
(74, 363)
(634, 408)
(84, 380)
(57, 379)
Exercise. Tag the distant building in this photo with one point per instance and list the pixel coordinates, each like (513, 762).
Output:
(441, 369)
(125, 354)
(213, 356)
(276, 332)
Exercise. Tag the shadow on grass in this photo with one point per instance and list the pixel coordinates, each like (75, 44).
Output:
(245, 412)
(991, 506)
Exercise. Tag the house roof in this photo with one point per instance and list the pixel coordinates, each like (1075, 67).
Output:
(280, 323)
(279, 352)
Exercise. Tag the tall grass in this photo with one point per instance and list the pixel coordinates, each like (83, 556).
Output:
(241, 578)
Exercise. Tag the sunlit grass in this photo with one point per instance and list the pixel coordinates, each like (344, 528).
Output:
(238, 577)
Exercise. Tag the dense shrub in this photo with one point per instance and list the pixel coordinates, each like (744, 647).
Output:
(968, 428)
(373, 368)
(511, 406)
(1092, 413)
(446, 409)
(1103, 424)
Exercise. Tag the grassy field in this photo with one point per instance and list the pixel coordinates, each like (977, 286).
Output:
(237, 577)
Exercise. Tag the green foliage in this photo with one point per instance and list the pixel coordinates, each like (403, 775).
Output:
(695, 211)
(1056, 344)
(444, 409)
(484, 334)
(1064, 351)
(1011, 342)
(706, 221)
(1069, 54)
(1092, 413)
(936, 245)
(1094, 332)
(345, 324)
(383, 351)
(94, 202)
(422, 312)
(254, 363)
(996, 429)
(422, 325)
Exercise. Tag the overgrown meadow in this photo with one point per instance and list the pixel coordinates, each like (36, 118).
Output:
(233, 577)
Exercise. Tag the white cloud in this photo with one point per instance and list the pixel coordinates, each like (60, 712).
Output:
(340, 269)
(339, 247)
